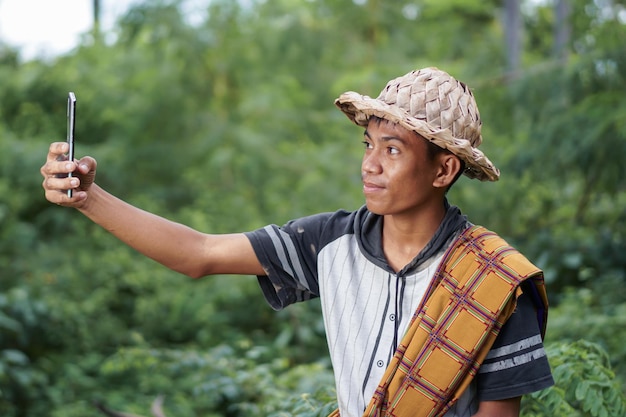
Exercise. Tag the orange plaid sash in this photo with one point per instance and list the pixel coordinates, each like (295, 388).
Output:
(471, 296)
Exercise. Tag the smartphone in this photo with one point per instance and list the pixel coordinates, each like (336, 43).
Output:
(71, 122)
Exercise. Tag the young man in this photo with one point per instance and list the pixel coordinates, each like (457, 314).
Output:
(425, 313)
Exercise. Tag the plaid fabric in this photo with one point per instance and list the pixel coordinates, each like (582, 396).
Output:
(471, 296)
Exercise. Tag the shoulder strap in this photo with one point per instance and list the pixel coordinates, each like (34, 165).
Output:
(471, 296)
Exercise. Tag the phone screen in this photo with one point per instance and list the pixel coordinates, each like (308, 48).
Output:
(71, 121)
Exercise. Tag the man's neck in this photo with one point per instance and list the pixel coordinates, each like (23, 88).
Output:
(405, 236)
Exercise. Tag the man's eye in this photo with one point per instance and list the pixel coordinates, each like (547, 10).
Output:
(367, 144)
(393, 151)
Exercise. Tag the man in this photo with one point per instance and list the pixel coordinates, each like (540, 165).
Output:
(425, 313)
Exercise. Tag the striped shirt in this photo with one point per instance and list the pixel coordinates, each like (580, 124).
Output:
(367, 306)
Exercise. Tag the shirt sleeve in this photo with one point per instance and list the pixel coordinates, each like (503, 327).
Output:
(517, 362)
(288, 255)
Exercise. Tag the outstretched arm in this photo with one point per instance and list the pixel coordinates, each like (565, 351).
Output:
(172, 244)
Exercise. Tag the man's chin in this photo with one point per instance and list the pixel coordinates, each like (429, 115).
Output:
(375, 209)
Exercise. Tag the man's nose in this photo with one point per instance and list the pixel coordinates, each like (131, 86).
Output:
(371, 162)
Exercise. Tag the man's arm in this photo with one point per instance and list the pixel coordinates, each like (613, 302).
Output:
(174, 245)
(501, 408)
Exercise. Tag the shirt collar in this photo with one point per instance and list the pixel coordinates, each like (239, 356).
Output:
(369, 237)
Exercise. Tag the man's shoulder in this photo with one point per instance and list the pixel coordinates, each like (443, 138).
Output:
(503, 267)
(486, 244)
(336, 222)
(315, 230)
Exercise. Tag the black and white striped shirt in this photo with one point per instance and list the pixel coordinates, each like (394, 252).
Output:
(367, 306)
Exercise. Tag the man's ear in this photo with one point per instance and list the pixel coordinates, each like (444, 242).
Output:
(449, 166)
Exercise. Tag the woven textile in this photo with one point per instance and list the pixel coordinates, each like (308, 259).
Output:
(471, 296)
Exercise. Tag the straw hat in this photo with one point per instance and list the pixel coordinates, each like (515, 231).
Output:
(436, 106)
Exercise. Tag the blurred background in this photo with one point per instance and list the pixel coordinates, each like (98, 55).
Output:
(219, 114)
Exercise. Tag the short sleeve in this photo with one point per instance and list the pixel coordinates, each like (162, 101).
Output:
(289, 254)
(517, 363)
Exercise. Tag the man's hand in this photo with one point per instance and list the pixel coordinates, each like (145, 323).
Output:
(55, 180)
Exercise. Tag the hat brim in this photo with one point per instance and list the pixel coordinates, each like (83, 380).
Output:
(360, 109)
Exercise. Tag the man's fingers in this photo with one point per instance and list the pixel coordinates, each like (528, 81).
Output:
(59, 198)
(55, 176)
(58, 183)
(56, 190)
(57, 168)
(57, 149)
(86, 164)
(56, 162)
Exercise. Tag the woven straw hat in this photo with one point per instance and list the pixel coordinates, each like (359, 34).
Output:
(436, 106)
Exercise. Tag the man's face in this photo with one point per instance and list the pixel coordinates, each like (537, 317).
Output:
(396, 170)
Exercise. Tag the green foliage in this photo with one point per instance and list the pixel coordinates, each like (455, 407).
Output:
(586, 314)
(228, 124)
(585, 384)
(218, 381)
(22, 331)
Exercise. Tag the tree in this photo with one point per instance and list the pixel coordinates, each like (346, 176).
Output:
(227, 125)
